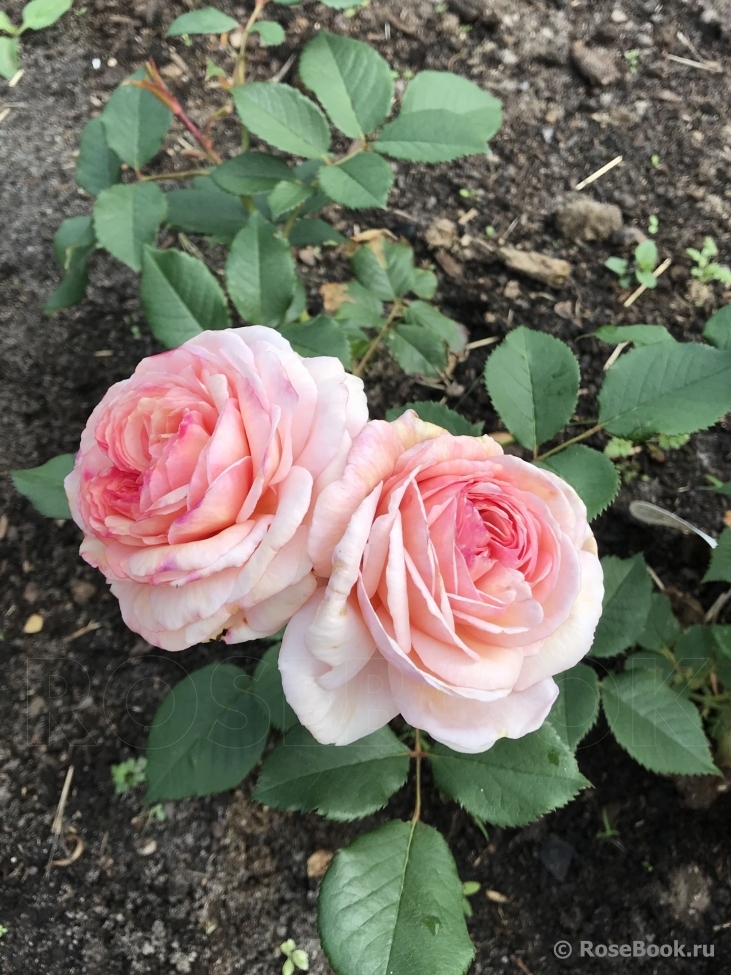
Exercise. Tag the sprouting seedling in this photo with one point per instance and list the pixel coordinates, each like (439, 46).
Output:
(609, 832)
(652, 514)
(296, 958)
(3, 930)
(707, 270)
(653, 224)
(642, 267)
(36, 15)
(469, 888)
(468, 194)
(128, 774)
(633, 60)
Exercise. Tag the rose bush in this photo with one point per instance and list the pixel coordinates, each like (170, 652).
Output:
(459, 581)
(196, 477)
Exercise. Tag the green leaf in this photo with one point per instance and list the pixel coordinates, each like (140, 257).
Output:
(251, 172)
(719, 569)
(207, 735)
(417, 350)
(260, 273)
(319, 336)
(207, 20)
(268, 688)
(717, 329)
(135, 122)
(443, 90)
(441, 415)
(590, 473)
(667, 388)
(424, 283)
(314, 233)
(616, 264)
(298, 304)
(626, 605)
(43, 486)
(513, 782)
(9, 57)
(384, 268)
(646, 256)
(451, 332)
(639, 334)
(286, 196)
(206, 209)
(533, 381)
(42, 13)
(577, 705)
(180, 296)
(6, 24)
(432, 136)
(391, 904)
(340, 782)
(352, 82)
(98, 167)
(270, 33)
(72, 243)
(646, 277)
(360, 182)
(283, 117)
(126, 217)
(661, 627)
(360, 305)
(659, 727)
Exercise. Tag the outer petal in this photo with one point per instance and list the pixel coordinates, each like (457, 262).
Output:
(349, 711)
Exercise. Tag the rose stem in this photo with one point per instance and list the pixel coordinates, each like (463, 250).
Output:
(418, 754)
(568, 443)
(395, 311)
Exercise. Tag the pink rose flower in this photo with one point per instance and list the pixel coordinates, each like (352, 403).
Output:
(459, 581)
(196, 478)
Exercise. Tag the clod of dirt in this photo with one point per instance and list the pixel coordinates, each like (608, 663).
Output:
(700, 791)
(596, 65)
(689, 894)
(584, 219)
(448, 264)
(548, 270)
(82, 591)
(318, 863)
(556, 856)
(442, 233)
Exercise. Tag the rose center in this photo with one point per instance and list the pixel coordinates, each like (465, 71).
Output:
(493, 528)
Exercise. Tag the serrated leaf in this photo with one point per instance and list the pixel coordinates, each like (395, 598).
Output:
(659, 727)
(577, 706)
(360, 182)
(417, 350)
(206, 209)
(391, 904)
(207, 20)
(385, 268)
(441, 415)
(98, 167)
(626, 605)
(135, 122)
(314, 233)
(9, 57)
(451, 332)
(207, 735)
(43, 486)
(180, 296)
(513, 782)
(451, 93)
(670, 388)
(661, 628)
(126, 217)
(42, 13)
(251, 172)
(719, 569)
(260, 273)
(72, 243)
(286, 196)
(341, 782)
(319, 336)
(717, 329)
(638, 334)
(424, 283)
(283, 117)
(533, 381)
(430, 136)
(270, 33)
(298, 305)
(590, 473)
(268, 689)
(352, 82)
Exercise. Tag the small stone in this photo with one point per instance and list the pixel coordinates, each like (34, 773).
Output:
(82, 591)
(318, 862)
(34, 624)
(509, 58)
(595, 64)
(512, 290)
(30, 593)
(619, 16)
(442, 233)
(148, 849)
(36, 707)
(586, 219)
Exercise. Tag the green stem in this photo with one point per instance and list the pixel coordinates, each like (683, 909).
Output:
(291, 220)
(568, 443)
(189, 173)
(417, 749)
(395, 312)
(239, 75)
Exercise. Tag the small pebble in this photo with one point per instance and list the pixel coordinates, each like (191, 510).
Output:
(96, 64)
(34, 624)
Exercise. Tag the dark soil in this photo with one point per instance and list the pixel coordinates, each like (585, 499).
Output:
(216, 887)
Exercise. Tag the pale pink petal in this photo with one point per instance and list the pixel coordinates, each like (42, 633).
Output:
(270, 615)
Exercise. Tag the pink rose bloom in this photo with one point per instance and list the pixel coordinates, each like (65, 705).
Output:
(459, 581)
(196, 479)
